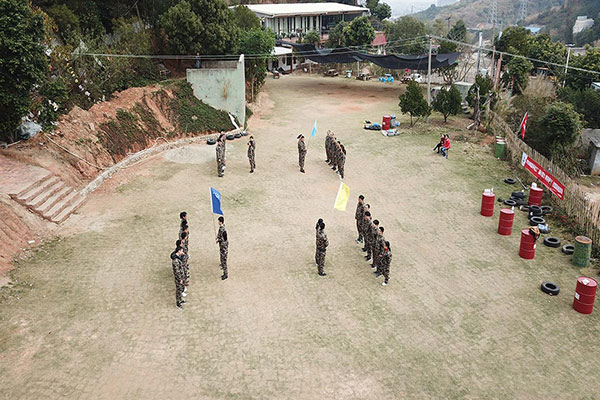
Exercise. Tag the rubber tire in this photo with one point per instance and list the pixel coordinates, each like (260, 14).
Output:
(550, 288)
(231, 136)
(536, 210)
(238, 135)
(568, 249)
(535, 221)
(211, 141)
(245, 133)
(552, 241)
(510, 181)
(510, 203)
(546, 210)
(519, 195)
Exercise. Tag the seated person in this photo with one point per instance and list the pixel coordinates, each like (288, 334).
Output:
(440, 144)
(446, 147)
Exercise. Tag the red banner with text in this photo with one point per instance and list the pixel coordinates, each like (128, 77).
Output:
(547, 179)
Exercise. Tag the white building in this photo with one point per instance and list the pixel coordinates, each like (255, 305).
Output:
(291, 19)
(582, 23)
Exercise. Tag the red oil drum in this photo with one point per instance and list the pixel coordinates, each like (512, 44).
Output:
(505, 223)
(535, 196)
(585, 295)
(387, 122)
(527, 249)
(487, 204)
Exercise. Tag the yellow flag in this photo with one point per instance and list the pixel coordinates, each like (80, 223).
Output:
(342, 197)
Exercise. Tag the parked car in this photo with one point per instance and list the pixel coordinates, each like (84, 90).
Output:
(331, 72)
(417, 78)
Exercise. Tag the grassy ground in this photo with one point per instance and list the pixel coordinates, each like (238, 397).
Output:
(92, 315)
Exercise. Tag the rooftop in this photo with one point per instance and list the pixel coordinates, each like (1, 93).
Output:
(278, 10)
(379, 40)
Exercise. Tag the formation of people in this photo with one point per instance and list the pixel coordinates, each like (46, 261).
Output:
(221, 150)
(336, 154)
(378, 250)
(180, 257)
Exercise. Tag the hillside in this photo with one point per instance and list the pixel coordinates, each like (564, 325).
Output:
(476, 12)
(558, 21)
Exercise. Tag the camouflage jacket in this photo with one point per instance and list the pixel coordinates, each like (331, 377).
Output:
(386, 259)
(372, 233)
(360, 211)
(301, 147)
(379, 245)
(322, 241)
(220, 236)
(178, 269)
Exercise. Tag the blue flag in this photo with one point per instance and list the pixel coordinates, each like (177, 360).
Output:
(314, 131)
(215, 199)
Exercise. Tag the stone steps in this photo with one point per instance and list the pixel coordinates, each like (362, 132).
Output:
(50, 198)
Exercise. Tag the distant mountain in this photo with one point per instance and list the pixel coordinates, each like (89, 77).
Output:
(559, 21)
(476, 13)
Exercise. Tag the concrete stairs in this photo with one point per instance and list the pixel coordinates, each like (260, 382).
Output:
(50, 198)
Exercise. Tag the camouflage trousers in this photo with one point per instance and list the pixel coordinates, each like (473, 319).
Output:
(301, 157)
(386, 273)
(178, 291)
(340, 166)
(370, 249)
(223, 251)
(220, 166)
(359, 229)
(320, 259)
(252, 162)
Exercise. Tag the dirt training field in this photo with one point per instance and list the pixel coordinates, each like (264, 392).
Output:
(93, 315)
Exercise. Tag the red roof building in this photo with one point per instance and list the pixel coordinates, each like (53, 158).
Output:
(379, 42)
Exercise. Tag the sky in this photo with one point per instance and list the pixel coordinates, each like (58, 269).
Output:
(402, 7)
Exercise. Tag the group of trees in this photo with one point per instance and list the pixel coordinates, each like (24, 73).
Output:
(43, 69)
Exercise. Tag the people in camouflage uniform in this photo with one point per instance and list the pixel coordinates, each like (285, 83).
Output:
(371, 239)
(220, 152)
(321, 249)
(386, 260)
(183, 243)
(178, 274)
(223, 246)
(341, 159)
(251, 147)
(359, 216)
(378, 251)
(301, 152)
(365, 229)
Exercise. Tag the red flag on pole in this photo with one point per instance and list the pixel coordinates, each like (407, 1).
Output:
(523, 126)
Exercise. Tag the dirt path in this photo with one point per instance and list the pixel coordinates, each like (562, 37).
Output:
(93, 315)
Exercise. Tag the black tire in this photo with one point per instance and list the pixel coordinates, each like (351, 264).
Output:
(535, 221)
(238, 135)
(551, 241)
(245, 133)
(519, 195)
(536, 210)
(510, 203)
(568, 249)
(500, 200)
(546, 210)
(510, 181)
(231, 136)
(523, 203)
(550, 288)
(211, 141)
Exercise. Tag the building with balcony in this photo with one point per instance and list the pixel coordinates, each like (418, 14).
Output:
(289, 20)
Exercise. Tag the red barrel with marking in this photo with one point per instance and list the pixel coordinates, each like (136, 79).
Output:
(527, 249)
(387, 122)
(505, 224)
(487, 204)
(535, 196)
(585, 295)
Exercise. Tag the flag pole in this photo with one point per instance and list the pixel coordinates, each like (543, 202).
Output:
(211, 211)
(338, 194)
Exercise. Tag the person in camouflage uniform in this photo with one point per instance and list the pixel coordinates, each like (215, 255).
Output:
(220, 152)
(363, 227)
(371, 239)
(335, 149)
(377, 254)
(301, 152)
(183, 243)
(365, 230)
(341, 159)
(359, 216)
(386, 260)
(321, 249)
(251, 148)
(327, 145)
(223, 246)
(178, 274)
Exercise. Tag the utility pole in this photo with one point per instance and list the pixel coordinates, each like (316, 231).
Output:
(479, 52)
(523, 11)
(570, 46)
(429, 72)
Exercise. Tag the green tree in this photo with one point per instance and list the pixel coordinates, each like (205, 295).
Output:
(359, 32)
(413, 103)
(312, 37)
(256, 41)
(23, 62)
(541, 47)
(586, 102)
(336, 36)
(589, 61)
(404, 36)
(245, 18)
(382, 11)
(203, 26)
(517, 74)
(515, 40)
(448, 102)
(479, 95)
(67, 23)
(132, 37)
(562, 127)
